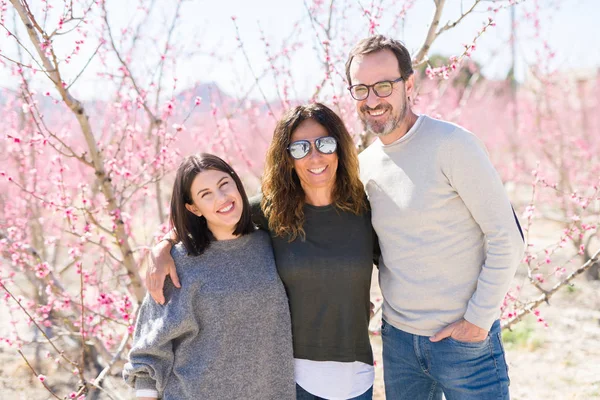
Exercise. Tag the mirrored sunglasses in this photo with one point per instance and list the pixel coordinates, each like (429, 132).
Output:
(301, 148)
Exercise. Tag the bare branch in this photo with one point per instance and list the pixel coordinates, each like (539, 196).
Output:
(85, 66)
(102, 246)
(111, 396)
(41, 123)
(61, 353)
(57, 286)
(450, 25)
(79, 20)
(162, 61)
(116, 357)
(154, 119)
(242, 99)
(81, 367)
(15, 62)
(431, 33)
(545, 297)
(327, 63)
(36, 374)
(31, 18)
(45, 71)
(256, 80)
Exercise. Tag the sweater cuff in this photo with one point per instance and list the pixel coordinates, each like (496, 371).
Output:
(145, 383)
(482, 320)
(146, 393)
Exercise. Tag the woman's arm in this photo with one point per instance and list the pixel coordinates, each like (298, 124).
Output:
(151, 357)
(376, 248)
(161, 265)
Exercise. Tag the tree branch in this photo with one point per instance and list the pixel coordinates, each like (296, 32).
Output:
(256, 80)
(545, 297)
(432, 33)
(102, 179)
(116, 357)
(61, 353)
(450, 25)
(36, 374)
(155, 121)
(85, 66)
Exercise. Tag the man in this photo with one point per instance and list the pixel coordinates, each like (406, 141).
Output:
(450, 242)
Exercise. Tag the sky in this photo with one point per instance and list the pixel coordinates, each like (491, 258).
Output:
(569, 26)
(206, 29)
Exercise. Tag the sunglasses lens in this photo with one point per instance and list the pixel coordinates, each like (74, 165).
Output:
(299, 149)
(326, 145)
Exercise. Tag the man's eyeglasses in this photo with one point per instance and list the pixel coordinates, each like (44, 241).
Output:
(301, 148)
(381, 89)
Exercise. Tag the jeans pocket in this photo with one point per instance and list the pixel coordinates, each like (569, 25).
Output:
(501, 356)
(473, 345)
(384, 327)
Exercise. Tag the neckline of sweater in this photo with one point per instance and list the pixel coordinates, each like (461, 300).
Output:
(230, 244)
(410, 134)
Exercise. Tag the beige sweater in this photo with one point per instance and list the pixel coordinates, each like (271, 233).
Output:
(449, 241)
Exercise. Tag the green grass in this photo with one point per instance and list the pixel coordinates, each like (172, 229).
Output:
(572, 289)
(523, 336)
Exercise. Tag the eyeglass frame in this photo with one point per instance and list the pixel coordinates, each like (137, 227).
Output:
(369, 87)
(311, 145)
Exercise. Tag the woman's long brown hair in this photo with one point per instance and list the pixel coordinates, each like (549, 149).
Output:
(283, 198)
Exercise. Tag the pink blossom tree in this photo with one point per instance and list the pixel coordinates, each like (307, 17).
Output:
(85, 184)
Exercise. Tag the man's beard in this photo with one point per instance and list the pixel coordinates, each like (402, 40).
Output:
(382, 128)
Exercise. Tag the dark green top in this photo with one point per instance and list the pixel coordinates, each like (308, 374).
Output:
(327, 278)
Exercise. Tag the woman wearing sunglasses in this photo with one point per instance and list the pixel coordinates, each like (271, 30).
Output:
(315, 209)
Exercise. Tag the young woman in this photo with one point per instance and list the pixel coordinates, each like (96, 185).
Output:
(315, 209)
(226, 333)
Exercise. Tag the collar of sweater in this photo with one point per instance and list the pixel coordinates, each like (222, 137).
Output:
(411, 132)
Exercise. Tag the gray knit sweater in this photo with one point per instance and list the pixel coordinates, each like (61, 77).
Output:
(224, 335)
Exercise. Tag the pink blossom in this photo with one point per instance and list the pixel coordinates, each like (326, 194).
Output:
(529, 212)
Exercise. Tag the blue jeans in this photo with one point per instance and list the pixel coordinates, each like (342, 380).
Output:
(417, 369)
(302, 394)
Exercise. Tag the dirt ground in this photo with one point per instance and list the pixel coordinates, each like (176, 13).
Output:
(558, 362)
